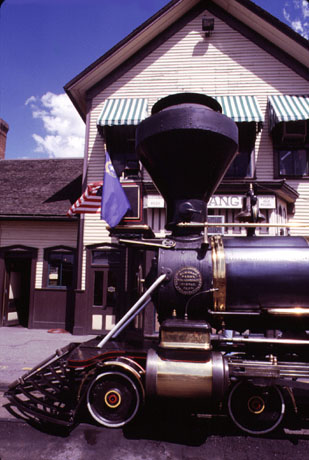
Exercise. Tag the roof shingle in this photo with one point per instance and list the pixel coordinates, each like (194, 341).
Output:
(39, 188)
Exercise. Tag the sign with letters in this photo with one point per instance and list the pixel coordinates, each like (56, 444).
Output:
(218, 201)
(236, 201)
(153, 201)
(225, 201)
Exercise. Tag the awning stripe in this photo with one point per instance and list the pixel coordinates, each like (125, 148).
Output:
(133, 111)
(287, 108)
(241, 108)
(123, 112)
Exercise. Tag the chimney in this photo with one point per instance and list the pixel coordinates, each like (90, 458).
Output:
(4, 127)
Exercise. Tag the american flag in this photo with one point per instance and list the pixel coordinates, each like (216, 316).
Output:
(90, 201)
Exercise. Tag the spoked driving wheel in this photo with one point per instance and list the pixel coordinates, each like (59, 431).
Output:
(254, 409)
(113, 398)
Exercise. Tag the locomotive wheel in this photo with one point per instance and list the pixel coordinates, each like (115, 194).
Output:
(113, 399)
(256, 410)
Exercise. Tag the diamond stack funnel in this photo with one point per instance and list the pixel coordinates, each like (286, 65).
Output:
(186, 145)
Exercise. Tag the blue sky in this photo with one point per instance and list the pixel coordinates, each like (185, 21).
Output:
(45, 43)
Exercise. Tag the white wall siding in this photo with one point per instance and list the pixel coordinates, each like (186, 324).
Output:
(301, 206)
(226, 63)
(95, 232)
(96, 156)
(39, 235)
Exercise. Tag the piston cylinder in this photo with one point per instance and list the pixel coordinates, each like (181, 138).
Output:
(181, 378)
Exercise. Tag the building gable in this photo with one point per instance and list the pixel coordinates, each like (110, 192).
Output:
(212, 10)
(244, 15)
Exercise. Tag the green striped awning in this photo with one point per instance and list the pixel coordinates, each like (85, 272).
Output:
(287, 108)
(241, 108)
(123, 112)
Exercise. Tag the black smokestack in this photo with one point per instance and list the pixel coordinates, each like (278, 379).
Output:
(186, 146)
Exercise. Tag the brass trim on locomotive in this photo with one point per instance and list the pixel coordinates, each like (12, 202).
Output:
(219, 273)
(185, 335)
(206, 379)
(242, 225)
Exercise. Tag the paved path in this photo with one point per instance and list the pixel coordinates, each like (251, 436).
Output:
(22, 442)
(21, 349)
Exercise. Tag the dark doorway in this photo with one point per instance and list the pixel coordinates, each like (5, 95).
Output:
(106, 287)
(17, 291)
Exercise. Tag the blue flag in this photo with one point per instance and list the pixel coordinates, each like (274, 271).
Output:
(115, 203)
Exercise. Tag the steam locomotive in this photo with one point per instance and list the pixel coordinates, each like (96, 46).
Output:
(233, 311)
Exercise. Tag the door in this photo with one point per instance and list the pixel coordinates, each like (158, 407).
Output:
(105, 294)
(16, 293)
(106, 291)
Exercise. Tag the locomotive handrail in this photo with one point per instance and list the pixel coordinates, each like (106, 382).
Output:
(259, 340)
(166, 243)
(137, 312)
(243, 225)
(129, 315)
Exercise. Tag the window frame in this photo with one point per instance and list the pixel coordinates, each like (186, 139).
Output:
(251, 166)
(120, 143)
(247, 138)
(292, 148)
(284, 142)
(46, 266)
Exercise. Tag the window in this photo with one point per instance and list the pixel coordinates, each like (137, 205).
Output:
(60, 268)
(106, 257)
(105, 289)
(243, 164)
(293, 162)
(120, 143)
(291, 149)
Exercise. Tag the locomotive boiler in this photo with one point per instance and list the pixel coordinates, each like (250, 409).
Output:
(233, 311)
